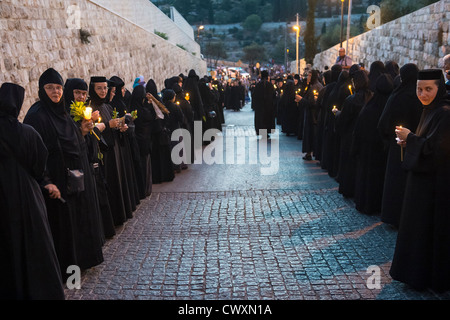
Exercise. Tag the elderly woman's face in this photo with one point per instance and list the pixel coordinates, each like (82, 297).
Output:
(426, 91)
(54, 91)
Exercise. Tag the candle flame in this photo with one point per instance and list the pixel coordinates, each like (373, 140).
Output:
(88, 113)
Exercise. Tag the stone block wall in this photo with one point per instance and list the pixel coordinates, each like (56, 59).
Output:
(35, 36)
(421, 37)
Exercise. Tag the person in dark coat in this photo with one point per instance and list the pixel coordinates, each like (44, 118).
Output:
(76, 90)
(143, 124)
(188, 123)
(331, 141)
(369, 151)
(190, 86)
(162, 169)
(278, 92)
(322, 109)
(377, 68)
(29, 264)
(127, 150)
(308, 103)
(75, 221)
(392, 68)
(402, 108)
(174, 121)
(263, 105)
(234, 101)
(290, 108)
(111, 166)
(422, 256)
(345, 123)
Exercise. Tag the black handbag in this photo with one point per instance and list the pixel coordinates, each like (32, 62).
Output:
(74, 177)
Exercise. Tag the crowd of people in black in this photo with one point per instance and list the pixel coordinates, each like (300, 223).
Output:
(384, 135)
(67, 182)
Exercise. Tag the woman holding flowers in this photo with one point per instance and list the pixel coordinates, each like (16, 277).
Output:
(73, 216)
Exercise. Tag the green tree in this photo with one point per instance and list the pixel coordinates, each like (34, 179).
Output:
(254, 53)
(310, 34)
(215, 51)
(252, 23)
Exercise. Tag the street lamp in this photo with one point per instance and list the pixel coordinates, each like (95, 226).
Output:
(198, 32)
(297, 29)
(342, 20)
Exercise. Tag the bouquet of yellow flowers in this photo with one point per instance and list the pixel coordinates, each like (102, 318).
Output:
(77, 110)
(134, 114)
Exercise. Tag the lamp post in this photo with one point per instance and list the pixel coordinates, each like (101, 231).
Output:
(342, 20)
(348, 24)
(297, 29)
(198, 32)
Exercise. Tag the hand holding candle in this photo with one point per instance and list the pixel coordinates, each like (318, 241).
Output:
(402, 134)
(334, 110)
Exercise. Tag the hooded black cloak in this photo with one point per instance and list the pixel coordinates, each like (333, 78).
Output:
(345, 124)
(422, 255)
(75, 224)
(111, 156)
(369, 150)
(29, 263)
(402, 108)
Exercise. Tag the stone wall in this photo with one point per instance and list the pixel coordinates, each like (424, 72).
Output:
(36, 35)
(421, 37)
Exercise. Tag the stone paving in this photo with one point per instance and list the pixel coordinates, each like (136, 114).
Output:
(224, 232)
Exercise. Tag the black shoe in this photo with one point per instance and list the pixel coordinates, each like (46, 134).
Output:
(307, 157)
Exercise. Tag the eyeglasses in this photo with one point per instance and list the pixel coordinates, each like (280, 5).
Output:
(50, 87)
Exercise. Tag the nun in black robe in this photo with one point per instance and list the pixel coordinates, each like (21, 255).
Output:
(131, 193)
(377, 68)
(263, 105)
(162, 170)
(422, 255)
(331, 141)
(188, 122)
(369, 151)
(111, 157)
(75, 223)
(309, 105)
(290, 109)
(29, 265)
(144, 123)
(190, 86)
(96, 149)
(402, 108)
(322, 109)
(345, 124)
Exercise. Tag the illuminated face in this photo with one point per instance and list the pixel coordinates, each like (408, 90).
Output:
(54, 91)
(426, 91)
(80, 95)
(101, 89)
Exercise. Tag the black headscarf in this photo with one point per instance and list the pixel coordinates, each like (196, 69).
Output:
(59, 118)
(11, 100)
(392, 68)
(138, 97)
(51, 76)
(118, 101)
(376, 69)
(152, 89)
(73, 84)
(93, 96)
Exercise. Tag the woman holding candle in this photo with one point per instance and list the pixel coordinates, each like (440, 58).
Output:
(309, 104)
(422, 254)
(345, 124)
(76, 90)
(74, 218)
(402, 108)
(98, 93)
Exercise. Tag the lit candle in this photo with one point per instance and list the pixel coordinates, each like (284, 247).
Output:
(187, 96)
(334, 110)
(350, 88)
(401, 149)
(88, 113)
(99, 119)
